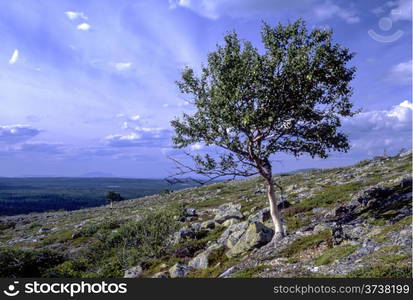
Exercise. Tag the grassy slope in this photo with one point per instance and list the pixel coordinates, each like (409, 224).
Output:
(104, 256)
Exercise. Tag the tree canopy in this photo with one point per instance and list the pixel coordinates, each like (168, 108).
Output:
(251, 104)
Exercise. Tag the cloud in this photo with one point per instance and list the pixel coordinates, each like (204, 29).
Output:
(83, 26)
(402, 73)
(50, 148)
(122, 66)
(401, 10)
(372, 131)
(14, 57)
(73, 15)
(140, 137)
(329, 10)
(12, 134)
(214, 9)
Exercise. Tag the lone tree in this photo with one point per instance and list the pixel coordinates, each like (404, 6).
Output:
(113, 197)
(251, 104)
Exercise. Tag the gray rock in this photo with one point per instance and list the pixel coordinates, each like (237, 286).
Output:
(228, 211)
(178, 270)
(133, 272)
(190, 212)
(43, 230)
(210, 224)
(255, 236)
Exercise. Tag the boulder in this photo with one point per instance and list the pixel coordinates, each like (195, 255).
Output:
(162, 274)
(228, 211)
(133, 272)
(255, 236)
(230, 222)
(188, 232)
(200, 261)
(190, 212)
(178, 270)
(210, 224)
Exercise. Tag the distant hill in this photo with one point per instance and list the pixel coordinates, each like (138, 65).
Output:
(39, 194)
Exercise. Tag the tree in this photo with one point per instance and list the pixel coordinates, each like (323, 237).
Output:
(113, 197)
(251, 105)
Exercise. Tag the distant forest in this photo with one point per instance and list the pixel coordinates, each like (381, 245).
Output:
(25, 195)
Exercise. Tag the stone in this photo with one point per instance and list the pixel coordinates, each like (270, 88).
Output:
(133, 272)
(178, 270)
(162, 274)
(190, 212)
(230, 222)
(261, 216)
(255, 236)
(228, 211)
(210, 224)
(199, 262)
(43, 230)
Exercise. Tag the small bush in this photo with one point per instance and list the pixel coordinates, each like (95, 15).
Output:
(333, 254)
(19, 263)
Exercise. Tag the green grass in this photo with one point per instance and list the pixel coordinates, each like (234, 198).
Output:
(382, 272)
(250, 272)
(331, 255)
(381, 237)
(307, 242)
(332, 195)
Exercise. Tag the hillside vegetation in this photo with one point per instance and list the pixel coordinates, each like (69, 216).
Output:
(343, 222)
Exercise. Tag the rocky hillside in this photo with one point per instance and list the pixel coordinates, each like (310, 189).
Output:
(343, 222)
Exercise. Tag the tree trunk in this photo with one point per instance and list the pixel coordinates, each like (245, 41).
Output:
(111, 204)
(275, 214)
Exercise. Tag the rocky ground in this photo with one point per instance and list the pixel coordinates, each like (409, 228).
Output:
(343, 222)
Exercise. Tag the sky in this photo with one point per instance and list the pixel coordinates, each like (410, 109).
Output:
(89, 86)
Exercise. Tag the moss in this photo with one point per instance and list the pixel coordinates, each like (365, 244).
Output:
(58, 237)
(332, 195)
(381, 237)
(333, 254)
(250, 272)
(295, 222)
(307, 242)
(380, 271)
(389, 255)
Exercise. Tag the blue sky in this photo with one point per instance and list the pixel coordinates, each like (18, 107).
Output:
(88, 86)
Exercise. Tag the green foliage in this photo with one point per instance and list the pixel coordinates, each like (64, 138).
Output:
(20, 263)
(381, 271)
(306, 242)
(112, 196)
(251, 105)
(250, 272)
(333, 254)
(332, 195)
(381, 237)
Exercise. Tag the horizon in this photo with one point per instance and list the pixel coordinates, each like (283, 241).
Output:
(90, 87)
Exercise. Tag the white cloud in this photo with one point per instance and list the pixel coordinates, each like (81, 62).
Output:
(83, 26)
(12, 134)
(373, 131)
(135, 118)
(215, 9)
(401, 10)
(196, 146)
(140, 137)
(402, 73)
(329, 10)
(73, 15)
(122, 66)
(14, 57)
